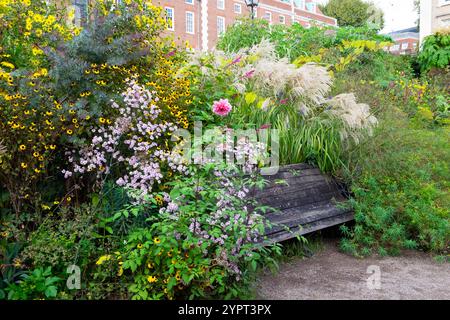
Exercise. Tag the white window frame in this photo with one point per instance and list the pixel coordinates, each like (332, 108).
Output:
(237, 5)
(193, 22)
(173, 18)
(221, 4)
(268, 16)
(220, 18)
(191, 2)
(404, 46)
(281, 17)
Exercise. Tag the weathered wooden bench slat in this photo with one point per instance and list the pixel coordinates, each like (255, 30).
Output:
(304, 201)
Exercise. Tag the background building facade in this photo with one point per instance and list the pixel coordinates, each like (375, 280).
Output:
(200, 22)
(434, 14)
(406, 41)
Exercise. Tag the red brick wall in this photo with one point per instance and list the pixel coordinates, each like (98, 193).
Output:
(195, 40)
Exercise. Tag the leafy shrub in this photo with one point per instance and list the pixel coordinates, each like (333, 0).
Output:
(38, 284)
(435, 51)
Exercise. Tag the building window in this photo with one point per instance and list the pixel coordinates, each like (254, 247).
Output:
(190, 2)
(404, 45)
(221, 4)
(170, 18)
(311, 7)
(444, 2)
(282, 19)
(299, 4)
(237, 8)
(220, 25)
(268, 16)
(189, 22)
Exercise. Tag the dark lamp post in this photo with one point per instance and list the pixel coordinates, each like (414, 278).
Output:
(252, 4)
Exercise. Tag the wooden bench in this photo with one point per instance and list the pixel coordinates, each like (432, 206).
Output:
(304, 201)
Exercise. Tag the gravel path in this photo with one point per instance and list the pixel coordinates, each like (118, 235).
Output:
(330, 274)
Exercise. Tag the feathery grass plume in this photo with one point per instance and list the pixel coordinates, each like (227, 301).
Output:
(315, 81)
(356, 117)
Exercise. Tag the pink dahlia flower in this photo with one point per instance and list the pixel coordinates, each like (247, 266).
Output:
(222, 107)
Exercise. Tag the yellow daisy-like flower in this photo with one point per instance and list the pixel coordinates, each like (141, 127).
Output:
(69, 132)
(36, 154)
(102, 120)
(120, 272)
(103, 259)
(152, 279)
(156, 240)
(24, 165)
(22, 147)
(150, 265)
(139, 246)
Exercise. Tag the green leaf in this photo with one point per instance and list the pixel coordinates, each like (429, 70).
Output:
(51, 292)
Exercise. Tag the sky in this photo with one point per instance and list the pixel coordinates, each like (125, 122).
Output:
(398, 14)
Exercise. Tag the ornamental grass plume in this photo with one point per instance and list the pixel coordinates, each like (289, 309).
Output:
(356, 117)
(278, 77)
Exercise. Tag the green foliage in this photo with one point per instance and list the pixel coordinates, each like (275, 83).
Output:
(355, 13)
(38, 284)
(435, 51)
(62, 240)
(293, 41)
(401, 198)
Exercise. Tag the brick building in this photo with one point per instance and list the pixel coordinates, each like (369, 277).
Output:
(405, 41)
(200, 22)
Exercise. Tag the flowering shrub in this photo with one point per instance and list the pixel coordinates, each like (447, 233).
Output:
(56, 83)
(131, 149)
(204, 243)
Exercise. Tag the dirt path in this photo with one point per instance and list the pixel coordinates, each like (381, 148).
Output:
(330, 274)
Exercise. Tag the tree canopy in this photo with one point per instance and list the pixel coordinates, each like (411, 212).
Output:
(355, 13)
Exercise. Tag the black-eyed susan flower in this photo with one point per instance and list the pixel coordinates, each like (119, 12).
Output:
(22, 147)
(152, 279)
(156, 240)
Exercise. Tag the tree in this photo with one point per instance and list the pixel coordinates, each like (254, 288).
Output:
(355, 13)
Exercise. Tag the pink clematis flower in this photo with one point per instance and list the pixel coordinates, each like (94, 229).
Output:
(222, 107)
